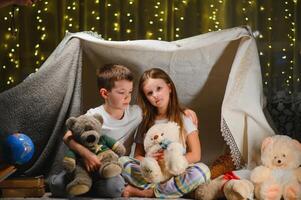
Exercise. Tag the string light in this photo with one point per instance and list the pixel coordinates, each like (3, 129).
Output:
(116, 20)
(10, 55)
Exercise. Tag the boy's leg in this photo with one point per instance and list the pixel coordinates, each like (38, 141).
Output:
(180, 185)
(109, 187)
(57, 184)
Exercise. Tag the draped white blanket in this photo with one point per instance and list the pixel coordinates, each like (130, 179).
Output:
(216, 74)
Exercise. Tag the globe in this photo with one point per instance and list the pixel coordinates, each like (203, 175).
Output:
(19, 148)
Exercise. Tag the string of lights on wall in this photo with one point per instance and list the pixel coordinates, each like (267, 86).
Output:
(48, 21)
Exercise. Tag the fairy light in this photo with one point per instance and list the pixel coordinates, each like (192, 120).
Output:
(40, 11)
(156, 26)
(71, 17)
(180, 10)
(291, 42)
(265, 37)
(93, 24)
(10, 55)
(214, 19)
(130, 20)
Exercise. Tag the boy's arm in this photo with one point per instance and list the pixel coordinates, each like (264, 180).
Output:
(193, 148)
(116, 146)
(192, 115)
(91, 161)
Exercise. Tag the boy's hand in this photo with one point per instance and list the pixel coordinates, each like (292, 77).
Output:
(192, 115)
(158, 155)
(92, 162)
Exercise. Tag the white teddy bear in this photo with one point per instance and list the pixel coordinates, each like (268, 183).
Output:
(280, 172)
(164, 136)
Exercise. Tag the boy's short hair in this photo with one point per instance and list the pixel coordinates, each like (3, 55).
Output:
(109, 73)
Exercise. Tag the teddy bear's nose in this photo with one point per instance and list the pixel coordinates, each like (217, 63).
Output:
(279, 161)
(156, 136)
(90, 138)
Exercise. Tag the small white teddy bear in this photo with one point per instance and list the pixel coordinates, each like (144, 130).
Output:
(280, 172)
(166, 137)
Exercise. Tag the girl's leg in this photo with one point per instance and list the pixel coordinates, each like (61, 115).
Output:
(131, 191)
(137, 186)
(178, 186)
(131, 172)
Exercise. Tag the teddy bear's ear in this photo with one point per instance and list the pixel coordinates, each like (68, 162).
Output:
(297, 144)
(99, 118)
(267, 141)
(70, 122)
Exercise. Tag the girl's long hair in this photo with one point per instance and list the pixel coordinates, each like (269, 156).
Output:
(174, 110)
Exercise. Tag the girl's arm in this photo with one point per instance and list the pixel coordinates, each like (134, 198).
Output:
(139, 152)
(91, 161)
(193, 148)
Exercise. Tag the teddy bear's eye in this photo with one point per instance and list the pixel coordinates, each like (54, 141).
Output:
(284, 155)
(88, 128)
(162, 134)
(275, 157)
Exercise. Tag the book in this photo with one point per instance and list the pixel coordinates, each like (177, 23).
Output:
(22, 192)
(23, 182)
(6, 171)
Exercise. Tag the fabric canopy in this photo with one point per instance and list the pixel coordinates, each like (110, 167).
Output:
(217, 75)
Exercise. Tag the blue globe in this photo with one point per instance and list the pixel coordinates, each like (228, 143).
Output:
(19, 148)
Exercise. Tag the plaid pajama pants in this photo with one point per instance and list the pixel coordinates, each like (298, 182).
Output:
(176, 187)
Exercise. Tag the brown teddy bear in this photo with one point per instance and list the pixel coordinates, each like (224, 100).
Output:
(233, 185)
(86, 130)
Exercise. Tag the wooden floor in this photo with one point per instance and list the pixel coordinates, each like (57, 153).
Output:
(48, 196)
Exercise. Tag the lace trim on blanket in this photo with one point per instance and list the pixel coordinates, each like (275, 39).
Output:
(235, 153)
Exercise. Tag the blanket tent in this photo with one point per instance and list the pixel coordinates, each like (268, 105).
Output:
(217, 75)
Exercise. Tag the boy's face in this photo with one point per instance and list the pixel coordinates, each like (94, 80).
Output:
(120, 95)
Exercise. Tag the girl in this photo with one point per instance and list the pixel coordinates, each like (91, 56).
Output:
(159, 102)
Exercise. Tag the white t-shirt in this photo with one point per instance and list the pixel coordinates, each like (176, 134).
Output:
(189, 127)
(122, 130)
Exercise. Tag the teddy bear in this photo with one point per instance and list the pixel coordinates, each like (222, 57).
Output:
(233, 185)
(280, 173)
(163, 137)
(86, 130)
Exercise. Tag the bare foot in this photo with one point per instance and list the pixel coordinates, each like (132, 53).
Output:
(131, 191)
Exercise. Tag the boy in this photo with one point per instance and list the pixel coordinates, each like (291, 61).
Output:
(115, 84)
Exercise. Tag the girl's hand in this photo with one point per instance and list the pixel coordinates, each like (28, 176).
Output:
(92, 162)
(158, 155)
(192, 115)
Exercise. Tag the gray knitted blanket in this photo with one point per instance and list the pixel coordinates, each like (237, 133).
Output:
(40, 105)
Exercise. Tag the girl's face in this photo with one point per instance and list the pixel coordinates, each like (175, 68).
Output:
(157, 92)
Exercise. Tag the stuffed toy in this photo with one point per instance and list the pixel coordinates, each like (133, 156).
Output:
(280, 172)
(86, 130)
(233, 185)
(166, 137)
(222, 165)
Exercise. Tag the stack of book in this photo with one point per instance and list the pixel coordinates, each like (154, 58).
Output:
(6, 170)
(22, 187)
